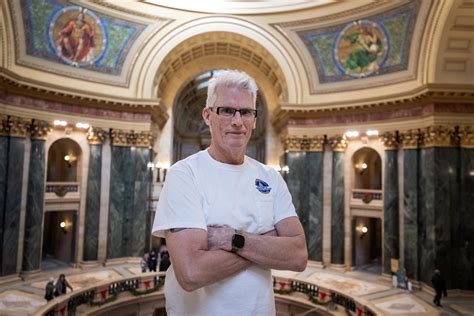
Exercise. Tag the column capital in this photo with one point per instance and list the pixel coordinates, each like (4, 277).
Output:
(304, 143)
(17, 126)
(390, 140)
(131, 138)
(39, 129)
(439, 136)
(96, 136)
(145, 139)
(3, 125)
(410, 139)
(121, 138)
(466, 135)
(338, 143)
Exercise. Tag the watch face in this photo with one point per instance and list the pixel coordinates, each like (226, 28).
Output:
(238, 241)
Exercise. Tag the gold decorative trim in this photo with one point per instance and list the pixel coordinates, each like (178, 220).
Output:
(410, 139)
(3, 125)
(40, 129)
(439, 136)
(390, 140)
(466, 136)
(338, 143)
(130, 138)
(96, 136)
(305, 143)
(17, 126)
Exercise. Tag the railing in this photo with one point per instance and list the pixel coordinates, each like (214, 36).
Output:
(365, 197)
(62, 190)
(99, 295)
(321, 296)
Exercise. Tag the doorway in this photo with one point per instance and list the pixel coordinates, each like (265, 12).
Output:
(59, 239)
(367, 244)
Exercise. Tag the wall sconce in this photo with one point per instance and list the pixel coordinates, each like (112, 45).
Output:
(63, 226)
(363, 231)
(285, 170)
(361, 167)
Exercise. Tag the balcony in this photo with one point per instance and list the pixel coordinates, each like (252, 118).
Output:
(367, 199)
(56, 192)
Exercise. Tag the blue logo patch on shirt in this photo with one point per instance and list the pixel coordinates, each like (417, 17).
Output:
(262, 186)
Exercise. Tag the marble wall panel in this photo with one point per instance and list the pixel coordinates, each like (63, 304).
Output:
(11, 217)
(305, 182)
(3, 184)
(337, 207)
(34, 207)
(391, 210)
(92, 217)
(140, 202)
(410, 216)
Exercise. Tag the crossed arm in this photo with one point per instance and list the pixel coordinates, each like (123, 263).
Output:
(201, 258)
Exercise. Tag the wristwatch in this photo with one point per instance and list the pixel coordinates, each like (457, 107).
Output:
(238, 242)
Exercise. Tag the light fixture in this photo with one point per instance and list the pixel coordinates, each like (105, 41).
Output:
(63, 226)
(363, 230)
(351, 134)
(150, 165)
(82, 125)
(285, 169)
(67, 158)
(372, 132)
(276, 167)
(361, 167)
(59, 123)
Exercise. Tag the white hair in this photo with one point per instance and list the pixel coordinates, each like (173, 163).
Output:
(230, 78)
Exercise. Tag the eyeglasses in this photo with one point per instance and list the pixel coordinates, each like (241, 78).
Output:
(228, 112)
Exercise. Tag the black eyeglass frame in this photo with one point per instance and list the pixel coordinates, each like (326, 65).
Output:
(219, 108)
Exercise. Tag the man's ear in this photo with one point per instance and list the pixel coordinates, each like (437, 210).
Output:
(206, 116)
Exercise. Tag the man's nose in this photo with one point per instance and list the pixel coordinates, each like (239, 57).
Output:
(237, 118)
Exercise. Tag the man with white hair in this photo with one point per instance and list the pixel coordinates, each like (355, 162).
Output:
(227, 218)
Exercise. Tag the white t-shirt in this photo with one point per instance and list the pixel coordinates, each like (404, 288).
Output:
(200, 191)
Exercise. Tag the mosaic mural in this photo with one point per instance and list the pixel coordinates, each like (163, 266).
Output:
(77, 36)
(372, 46)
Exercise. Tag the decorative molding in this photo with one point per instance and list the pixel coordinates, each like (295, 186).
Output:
(134, 13)
(96, 136)
(17, 126)
(39, 129)
(439, 136)
(305, 143)
(410, 139)
(3, 125)
(390, 140)
(338, 143)
(130, 138)
(466, 136)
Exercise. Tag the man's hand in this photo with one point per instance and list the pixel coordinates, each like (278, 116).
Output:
(220, 237)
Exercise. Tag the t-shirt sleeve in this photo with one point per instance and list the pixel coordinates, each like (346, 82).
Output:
(180, 204)
(283, 206)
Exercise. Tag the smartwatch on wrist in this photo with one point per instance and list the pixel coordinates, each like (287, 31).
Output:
(238, 242)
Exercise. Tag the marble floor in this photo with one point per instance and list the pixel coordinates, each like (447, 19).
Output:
(23, 298)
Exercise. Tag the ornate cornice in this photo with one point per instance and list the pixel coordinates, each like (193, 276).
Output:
(130, 138)
(338, 143)
(305, 143)
(390, 140)
(96, 136)
(466, 136)
(17, 126)
(39, 129)
(410, 139)
(439, 136)
(3, 125)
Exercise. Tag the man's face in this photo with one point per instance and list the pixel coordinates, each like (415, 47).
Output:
(230, 133)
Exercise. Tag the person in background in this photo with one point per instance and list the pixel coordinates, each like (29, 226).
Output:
(49, 290)
(152, 261)
(439, 285)
(61, 285)
(144, 262)
(165, 261)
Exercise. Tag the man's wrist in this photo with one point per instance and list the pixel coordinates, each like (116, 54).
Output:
(237, 242)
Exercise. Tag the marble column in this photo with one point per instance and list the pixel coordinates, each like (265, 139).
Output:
(462, 272)
(391, 234)
(305, 183)
(338, 145)
(411, 249)
(96, 137)
(439, 201)
(4, 133)
(35, 198)
(128, 193)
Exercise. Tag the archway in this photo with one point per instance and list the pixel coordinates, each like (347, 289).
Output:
(191, 134)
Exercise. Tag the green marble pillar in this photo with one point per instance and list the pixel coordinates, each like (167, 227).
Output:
(391, 210)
